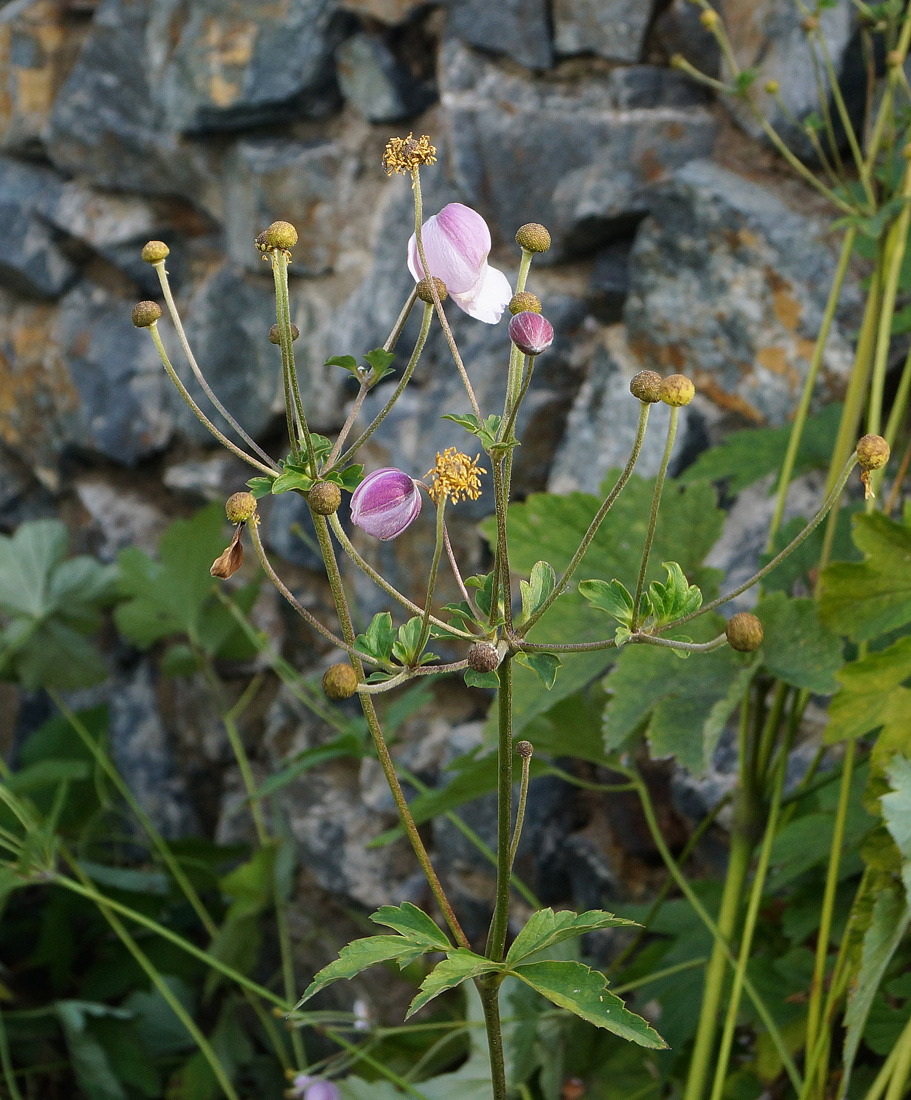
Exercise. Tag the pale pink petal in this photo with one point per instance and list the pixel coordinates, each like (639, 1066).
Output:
(456, 244)
(487, 298)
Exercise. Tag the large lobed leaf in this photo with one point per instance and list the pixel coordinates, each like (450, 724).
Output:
(547, 928)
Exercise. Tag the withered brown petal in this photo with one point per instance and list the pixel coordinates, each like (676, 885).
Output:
(227, 564)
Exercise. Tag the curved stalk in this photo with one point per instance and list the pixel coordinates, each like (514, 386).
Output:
(653, 517)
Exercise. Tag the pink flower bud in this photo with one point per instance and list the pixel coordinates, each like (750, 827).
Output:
(305, 1087)
(385, 503)
(531, 333)
(456, 245)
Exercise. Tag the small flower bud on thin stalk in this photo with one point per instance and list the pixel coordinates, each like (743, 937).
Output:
(339, 682)
(153, 252)
(524, 749)
(275, 334)
(145, 314)
(677, 390)
(872, 454)
(385, 503)
(483, 657)
(425, 294)
(324, 498)
(709, 19)
(524, 302)
(744, 632)
(279, 235)
(240, 507)
(531, 333)
(646, 386)
(533, 237)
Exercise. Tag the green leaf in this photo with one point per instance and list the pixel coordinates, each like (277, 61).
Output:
(872, 597)
(796, 647)
(460, 965)
(346, 362)
(546, 928)
(348, 744)
(543, 665)
(871, 695)
(681, 707)
(260, 486)
(27, 560)
(404, 649)
(88, 1058)
(380, 636)
(749, 455)
(475, 679)
(675, 598)
(414, 924)
(896, 805)
(379, 360)
(537, 588)
(349, 478)
(609, 596)
(292, 476)
(361, 955)
(578, 988)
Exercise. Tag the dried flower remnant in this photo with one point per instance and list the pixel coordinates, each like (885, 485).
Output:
(385, 503)
(407, 155)
(240, 508)
(455, 475)
(456, 246)
(872, 454)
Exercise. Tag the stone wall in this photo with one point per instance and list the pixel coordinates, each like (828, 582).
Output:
(679, 244)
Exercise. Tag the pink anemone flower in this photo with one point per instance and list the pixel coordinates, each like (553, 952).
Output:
(385, 503)
(456, 244)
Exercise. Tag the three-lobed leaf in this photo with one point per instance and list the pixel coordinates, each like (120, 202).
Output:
(537, 588)
(413, 923)
(378, 640)
(361, 955)
(673, 598)
(459, 966)
(546, 928)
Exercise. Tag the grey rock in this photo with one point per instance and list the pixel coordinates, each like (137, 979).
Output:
(230, 66)
(766, 35)
(601, 427)
(288, 530)
(729, 285)
(31, 261)
(121, 517)
(376, 83)
(579, 158)
(306, 183)
(610, 282)
(519, 28)
(678, 30)
(390, 12)
(614, 29)
(215, 477)
(227, 320)
(126, 409)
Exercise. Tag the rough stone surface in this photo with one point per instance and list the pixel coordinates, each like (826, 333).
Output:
(678, 30)
(120, 517)
(614, 29)
(30, 258)
(515, 27)
(610, 282)
(579, 158)
(229, 66)
(375, 83)
(728, 286)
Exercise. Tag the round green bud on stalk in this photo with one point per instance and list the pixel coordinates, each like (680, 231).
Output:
(677, 390)
(275, 334)
(426, 295)
(240, 507)
(709, 19)
(280, 235)
(646, 386)
(155, 251)
(872, 452)
(771, 86)
(895, 59)
(533, 237)
(145, 314)
(744, 632)
(339, 681)
(678, 61)
(483, 657)
(324, 498)
(524, 749)
(524, 302)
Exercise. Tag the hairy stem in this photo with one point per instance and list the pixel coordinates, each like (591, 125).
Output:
(653, 517)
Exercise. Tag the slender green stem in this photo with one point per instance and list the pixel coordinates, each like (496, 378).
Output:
(520, 810)
(901, 1070)
(657, 976)
(432, 578)
(885, 1074)
(380, 1067)
(899, 408)
(9, 1074)
(280, 260)
(496, 937)
(643, 638)
(848, 126)
(653, 517)
(347, 426)
(560, 586)
(195, 368)
(438, 305)
(377, 578)
(828, 899)
(379, 741)
(197, 411)
(403, 382)
(803, 407)
(393, 338)
(510, 421)
(490, 1002)
(502, 549)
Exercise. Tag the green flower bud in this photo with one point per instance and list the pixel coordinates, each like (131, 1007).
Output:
(324, 498)
(145, 314)
(155, 251)
(872, 452)
(533, 237)
(483, 657)
(280, 235)
(424, 292)
(744, 632)
(646, 386)
(677, 390)
(709, 19)
(524, 302)
(240, 507)
(275, 336)
(524, 749)
(339, 681)
(771, 86)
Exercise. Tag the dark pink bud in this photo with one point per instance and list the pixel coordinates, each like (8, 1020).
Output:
(531, 333)
(385, 503)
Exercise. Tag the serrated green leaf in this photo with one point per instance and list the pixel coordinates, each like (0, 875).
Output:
(349, 478)
(379, 359)
(546, 928)
(537, 588)
(674, 598)
(28, 558)
(544, 665)
(872, 597)
(460, 965)
(797, 648)
(361, 955)
(378, 640)
(404, 648)
(583, 991)
(609, 596)
(414, 924)
(260, 486)
(475, 679)
(292, 477)
(468, 421)
(870, 694)
(896, 805)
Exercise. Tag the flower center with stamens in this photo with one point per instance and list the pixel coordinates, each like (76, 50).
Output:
(455, 475)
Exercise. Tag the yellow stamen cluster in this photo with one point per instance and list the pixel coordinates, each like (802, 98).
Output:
(406, 155)
(455, 475)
